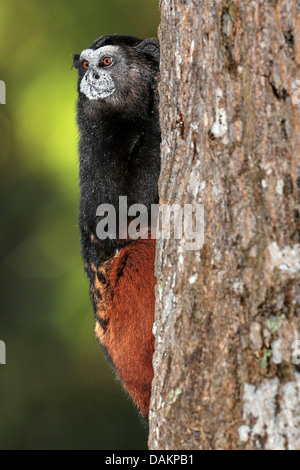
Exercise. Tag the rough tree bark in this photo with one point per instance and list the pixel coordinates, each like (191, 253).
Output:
(227, 316)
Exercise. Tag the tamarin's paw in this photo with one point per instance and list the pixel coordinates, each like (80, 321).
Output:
(123, 296)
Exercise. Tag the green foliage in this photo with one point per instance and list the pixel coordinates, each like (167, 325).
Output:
(56, 390)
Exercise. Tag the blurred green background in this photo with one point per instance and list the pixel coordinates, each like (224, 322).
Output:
(56, 390)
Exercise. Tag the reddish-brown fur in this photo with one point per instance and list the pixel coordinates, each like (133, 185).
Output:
(123, 295)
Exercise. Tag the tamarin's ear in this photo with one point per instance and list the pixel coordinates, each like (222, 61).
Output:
(76, 60)
(149, 46)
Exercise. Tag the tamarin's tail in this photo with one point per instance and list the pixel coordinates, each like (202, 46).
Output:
(123, 294)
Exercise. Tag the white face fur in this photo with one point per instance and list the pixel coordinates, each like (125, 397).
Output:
(97, 82)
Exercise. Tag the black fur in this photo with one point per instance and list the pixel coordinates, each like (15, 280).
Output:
(119, 140)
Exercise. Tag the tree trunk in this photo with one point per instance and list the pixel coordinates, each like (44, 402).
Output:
(227, 316)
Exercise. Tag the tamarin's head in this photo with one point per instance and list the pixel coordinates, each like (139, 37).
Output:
(118, 73)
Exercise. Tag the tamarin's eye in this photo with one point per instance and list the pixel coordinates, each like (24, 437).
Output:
(107, 61)
(85, 64)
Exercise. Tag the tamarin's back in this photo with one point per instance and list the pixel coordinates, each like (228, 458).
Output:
(117, 116)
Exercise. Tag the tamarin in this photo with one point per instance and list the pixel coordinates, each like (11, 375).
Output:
(119, 149)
